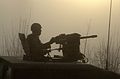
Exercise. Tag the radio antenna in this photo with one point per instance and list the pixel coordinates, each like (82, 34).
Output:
(108, 42)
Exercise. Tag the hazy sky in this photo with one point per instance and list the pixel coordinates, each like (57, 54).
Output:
(61, 16)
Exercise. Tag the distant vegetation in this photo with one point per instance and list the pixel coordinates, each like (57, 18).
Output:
(11, 45)
(100, 55)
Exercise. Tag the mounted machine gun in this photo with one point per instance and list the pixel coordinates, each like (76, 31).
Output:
(70, 46)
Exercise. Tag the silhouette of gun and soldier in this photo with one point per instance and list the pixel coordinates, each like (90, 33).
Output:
(68, 43)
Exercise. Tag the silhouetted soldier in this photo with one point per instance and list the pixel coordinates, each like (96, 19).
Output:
(37, 49)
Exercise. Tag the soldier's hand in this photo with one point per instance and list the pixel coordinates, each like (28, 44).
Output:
(52, 40)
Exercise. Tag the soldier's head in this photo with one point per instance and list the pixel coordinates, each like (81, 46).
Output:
(36, 28)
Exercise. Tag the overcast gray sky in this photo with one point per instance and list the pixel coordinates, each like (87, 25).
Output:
(61, 16)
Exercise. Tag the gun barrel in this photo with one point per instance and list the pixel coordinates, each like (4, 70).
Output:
(91, 36)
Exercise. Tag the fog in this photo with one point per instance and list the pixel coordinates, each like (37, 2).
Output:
(61, 16)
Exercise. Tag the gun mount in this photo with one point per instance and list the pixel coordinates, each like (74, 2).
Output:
(70, 46)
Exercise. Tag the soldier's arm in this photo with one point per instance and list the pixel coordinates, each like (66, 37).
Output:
(47, 44)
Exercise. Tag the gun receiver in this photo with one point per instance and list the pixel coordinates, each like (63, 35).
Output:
(71, 46)
(91, 36)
